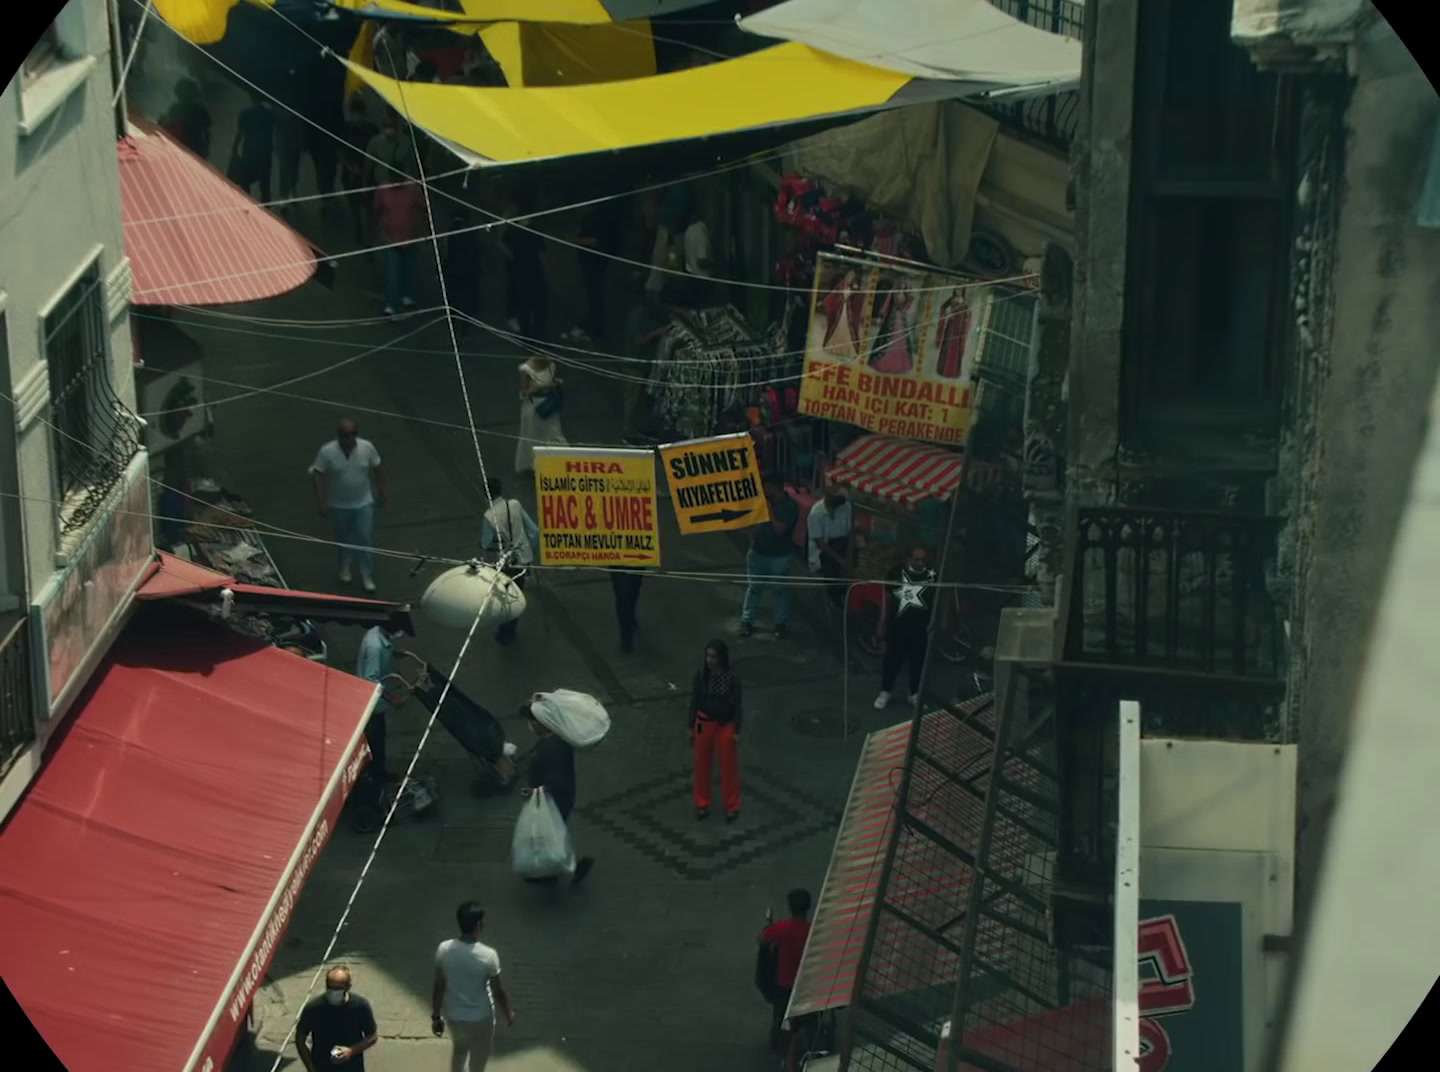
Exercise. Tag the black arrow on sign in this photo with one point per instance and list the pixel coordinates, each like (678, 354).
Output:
(720, 515)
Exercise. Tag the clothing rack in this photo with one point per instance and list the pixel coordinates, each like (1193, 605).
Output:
(710, 366)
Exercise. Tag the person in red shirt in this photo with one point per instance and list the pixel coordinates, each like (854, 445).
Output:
(787, 940)
(400, 208)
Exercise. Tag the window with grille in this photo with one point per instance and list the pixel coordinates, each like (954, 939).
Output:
(93, 437)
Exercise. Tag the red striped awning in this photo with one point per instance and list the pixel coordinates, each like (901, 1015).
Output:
(900, 471)
(195, 238)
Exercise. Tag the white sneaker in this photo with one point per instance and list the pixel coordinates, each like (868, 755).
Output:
(882, 701)
(513, 325)
(914, 698)
(408, 303)
(367, 582)
(344, 574)
(389, 310)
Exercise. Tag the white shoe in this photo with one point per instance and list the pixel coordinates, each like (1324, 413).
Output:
(882, 701)
(367, 582)
(408, 303)
(513, 325)
(344, 574)
(389, 310)
(914, 698)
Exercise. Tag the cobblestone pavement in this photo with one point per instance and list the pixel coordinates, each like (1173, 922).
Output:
(649, 965)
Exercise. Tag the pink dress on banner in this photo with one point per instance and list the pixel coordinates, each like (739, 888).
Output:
(896, 356)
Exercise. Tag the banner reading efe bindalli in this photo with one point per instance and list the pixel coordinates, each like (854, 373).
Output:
(892, 349)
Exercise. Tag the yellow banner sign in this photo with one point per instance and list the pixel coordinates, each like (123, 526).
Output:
(893, 350)
(715, 483)
(597, 507)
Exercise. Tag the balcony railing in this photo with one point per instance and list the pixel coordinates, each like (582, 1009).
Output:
(1052, 118)
(1173, 590)
(17, 699)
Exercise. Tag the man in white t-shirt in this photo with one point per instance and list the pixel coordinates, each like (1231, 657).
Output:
(508, 529)
(829, 538)
(349, 484)
(468, 989)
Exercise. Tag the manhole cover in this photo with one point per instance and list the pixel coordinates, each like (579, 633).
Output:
(818, 724)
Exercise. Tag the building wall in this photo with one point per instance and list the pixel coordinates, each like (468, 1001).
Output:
(1375, 334)
(59, 209)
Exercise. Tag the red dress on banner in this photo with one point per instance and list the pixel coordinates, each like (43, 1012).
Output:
(951, 337)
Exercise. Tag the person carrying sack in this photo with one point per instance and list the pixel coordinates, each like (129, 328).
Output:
(552, 769)
(715, 712)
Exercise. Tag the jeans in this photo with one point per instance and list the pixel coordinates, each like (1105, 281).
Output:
(355, 525)
(760, 569)
(397, 274)
(470, 1040)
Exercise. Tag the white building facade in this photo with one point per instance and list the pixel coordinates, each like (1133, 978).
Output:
(74, 525)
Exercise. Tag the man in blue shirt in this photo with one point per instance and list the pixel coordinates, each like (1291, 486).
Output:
(377, 655)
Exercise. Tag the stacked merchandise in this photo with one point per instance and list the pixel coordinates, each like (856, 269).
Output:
(710, 366)
(221, 534)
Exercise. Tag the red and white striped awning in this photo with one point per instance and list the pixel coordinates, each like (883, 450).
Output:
(195, 238)
(901, 471)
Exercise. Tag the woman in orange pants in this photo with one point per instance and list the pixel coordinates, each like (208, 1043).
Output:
(715, 730)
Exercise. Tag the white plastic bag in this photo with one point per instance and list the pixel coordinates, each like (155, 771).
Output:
(541, 847)
(577, 718)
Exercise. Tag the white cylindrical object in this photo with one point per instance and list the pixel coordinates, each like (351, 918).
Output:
(456, 596)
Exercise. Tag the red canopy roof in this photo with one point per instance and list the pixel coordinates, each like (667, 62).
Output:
(151, 867)
(176, 578)
(195, 238)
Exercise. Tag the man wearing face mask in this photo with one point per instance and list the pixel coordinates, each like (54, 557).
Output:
(905, 624)
(335, 1028)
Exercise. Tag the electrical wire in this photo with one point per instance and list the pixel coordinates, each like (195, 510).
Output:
(134, 51)
(496, 219)
(505, 553)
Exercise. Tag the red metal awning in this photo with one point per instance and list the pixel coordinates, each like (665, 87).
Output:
(195, 238)
(842, 915)
(901, 471)
(149, 871)
(175, 578)
(919, 876)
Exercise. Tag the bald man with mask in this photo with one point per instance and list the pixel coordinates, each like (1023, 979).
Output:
(335, 1028)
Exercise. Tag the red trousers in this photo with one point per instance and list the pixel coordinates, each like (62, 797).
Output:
(712, 738)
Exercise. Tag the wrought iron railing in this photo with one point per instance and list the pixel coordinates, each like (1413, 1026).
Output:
(1052, 118)
(17, 697)
(1173, 590)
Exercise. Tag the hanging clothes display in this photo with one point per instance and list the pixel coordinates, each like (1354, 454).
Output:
(710, 367)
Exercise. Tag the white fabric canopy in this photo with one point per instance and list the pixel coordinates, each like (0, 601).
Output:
(945, 39)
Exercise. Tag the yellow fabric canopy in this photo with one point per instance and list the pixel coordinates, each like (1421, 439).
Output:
(537, 54)
(788, 83)
(575, 12)
(201, 22)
